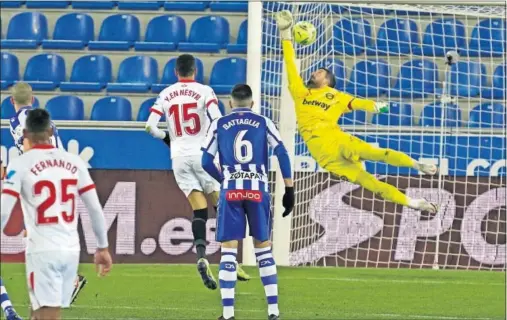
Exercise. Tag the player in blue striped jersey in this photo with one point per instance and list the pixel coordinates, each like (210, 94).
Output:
(241, 140)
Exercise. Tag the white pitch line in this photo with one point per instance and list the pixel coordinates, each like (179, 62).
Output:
(217, 310)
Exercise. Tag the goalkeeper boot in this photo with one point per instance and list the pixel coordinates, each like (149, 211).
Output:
(80, 284)
(430, 169)
(273, 317)
(242, 275)
(10, 314)
(206, 274)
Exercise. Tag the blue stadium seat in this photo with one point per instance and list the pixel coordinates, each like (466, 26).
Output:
(144, 110)
(94, 5)
(352, 36)
(140, 5)
(467, 78)
(112, 109)
(241, 41)
(174, 32)
(395, 36)
(357, 117)
(229, 6)
(441, 36)
(45, 71)
(186, 5)
(488, 115)
(369, 78)
(11, 4)
(26, 30)
(271, 77)
(416, 79)
(400, 114)
(207, 34)
(118, 32)
(221, 107)
(7, 109)
(226, 73)
(65, 108)
(488, 39)
(169, 77)
(136, 74)
(72, 31)
(497, 90)
(432, 116)
(9, 69)
(89, 73)
(47, 4)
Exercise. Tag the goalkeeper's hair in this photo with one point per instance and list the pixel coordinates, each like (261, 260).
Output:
(38, 121)
(330, 77)
(241, 95)
(185, 65)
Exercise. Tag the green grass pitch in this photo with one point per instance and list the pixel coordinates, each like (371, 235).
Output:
(176, 292)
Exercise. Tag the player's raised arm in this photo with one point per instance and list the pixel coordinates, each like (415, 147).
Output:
(275, 141)
(209, 150)
(284, 21)
(10, 193)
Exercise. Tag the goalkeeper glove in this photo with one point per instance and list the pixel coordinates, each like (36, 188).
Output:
(284, 21)
(288, 201)
(381, 107)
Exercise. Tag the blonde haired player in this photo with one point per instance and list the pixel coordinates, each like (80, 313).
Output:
(318, 108)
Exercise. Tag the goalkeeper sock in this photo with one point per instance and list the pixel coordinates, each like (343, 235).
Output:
(382, 189)
(227, 276)
(269, 277)
(199, 231)
(4, 298)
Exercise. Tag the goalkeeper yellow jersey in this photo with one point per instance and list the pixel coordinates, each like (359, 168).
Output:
(318, 110)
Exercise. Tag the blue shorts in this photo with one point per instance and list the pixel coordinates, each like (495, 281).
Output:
(236, 207)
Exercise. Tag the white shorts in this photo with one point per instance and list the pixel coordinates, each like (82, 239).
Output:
(190, 175)
(51, 278)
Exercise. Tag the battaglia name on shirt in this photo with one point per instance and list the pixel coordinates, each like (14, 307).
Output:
(235, 122)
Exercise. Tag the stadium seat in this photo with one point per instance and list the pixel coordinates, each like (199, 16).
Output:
(26, 30)
(47, 4)
(416, 79)
(11, 4)
(467, 78)
(226, 73)
(140, 5)
(186, 5)
(9, 69)
(112, 109)
(7, 109)
(45, 71)
(488, 115)
(154, 40)
(229, 6)
(351, 36)
(144, 110)
(241, 41)
(432, 116)
(136, 74)
(400, 114)
(369, 78)
(488, 39)
(221, 107)
(395, 36)
(271, 77)
(72, 31)
(207, 34)
(94, 5)
(118, 32)
(89, 73)
(497, 90)
(357, 117)
(169, 77)
(65, 108)
(441, 36)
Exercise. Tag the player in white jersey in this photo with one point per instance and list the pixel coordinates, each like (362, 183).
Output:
(190, 107)
(48, 181)
(22, 99)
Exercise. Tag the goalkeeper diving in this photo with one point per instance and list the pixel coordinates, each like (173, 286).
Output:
(318, 108)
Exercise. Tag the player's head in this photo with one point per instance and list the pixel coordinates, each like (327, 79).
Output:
(241, 96)
(38, 128)
(21, 95)
(185, 67)
(321, 78)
